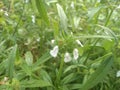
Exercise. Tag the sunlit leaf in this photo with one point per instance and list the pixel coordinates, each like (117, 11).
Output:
(42, 10)
(62, 16)
(10, 62)
(29, 58)
(110, 32)
(93, 11)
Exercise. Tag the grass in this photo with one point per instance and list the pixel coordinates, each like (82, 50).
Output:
(59, 45)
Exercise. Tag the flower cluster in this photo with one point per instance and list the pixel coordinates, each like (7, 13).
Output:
(67, 57)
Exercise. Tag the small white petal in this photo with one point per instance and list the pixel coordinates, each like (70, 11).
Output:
(54, 52)
(38, 39)
(53, 41)
(6, 14)
(71, 33)
(1, 10)
(5, 79)
(79, 43)
(75, 54)
(26, 1)
(72, 5)
(29, 40)
(67, 57)
(99, 1)
(118, 74)
(33, 18)
(118, 7)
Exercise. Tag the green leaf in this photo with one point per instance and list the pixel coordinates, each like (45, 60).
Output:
(10, 62)
(2, 67)
(45, 76)
(99, 74)
(63, 17)
(51, 1)
(33, 2)
(75, 86)
(73, 67)
(42, 10)
(29, 58)
(109, 32)
(93, 11)
(3, 87)
(34, 83)
(26, 69)
(55, 26)
(69, 78)
(96, 36)
(43, 59)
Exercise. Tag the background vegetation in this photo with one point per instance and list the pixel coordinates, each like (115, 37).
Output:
(59, 44)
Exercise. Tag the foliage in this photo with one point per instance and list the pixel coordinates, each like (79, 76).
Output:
(59, 44)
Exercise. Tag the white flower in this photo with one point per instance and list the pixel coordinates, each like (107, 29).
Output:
(26, 1)
(5, 79)
(79, 43)
(1, 10)
(6, 14)
(99, 1)
(54, 52)
(118, 74)
(33, 18)
(72, 5)
(29, 40)
(38, 39)
(75, 54)
(118, 7)
(52, 41)
(71, 33)
(67, 57)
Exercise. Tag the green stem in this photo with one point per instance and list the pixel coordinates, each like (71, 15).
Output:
(108, 18)
(12, 6)
(19, 20)
(60, 71)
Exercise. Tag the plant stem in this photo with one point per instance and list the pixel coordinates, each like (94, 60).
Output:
(108, 18)
(19, 20)
(60, 71)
